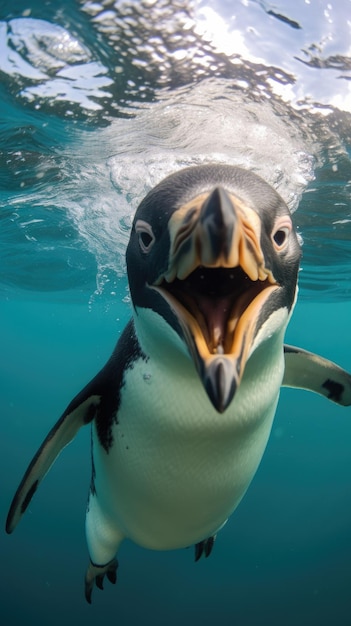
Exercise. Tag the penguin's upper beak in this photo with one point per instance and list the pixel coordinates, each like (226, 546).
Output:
(216, 284)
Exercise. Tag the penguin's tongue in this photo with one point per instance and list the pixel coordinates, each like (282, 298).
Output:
(216, 297)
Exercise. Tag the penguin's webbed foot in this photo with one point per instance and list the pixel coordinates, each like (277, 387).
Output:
(204, 547)
(96, 573)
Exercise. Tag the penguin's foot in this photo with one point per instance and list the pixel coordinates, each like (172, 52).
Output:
(204, 547)
(96, 573)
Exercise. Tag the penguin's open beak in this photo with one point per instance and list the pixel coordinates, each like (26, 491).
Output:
(217, 284)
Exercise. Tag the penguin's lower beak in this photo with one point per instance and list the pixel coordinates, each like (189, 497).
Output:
(217, 285)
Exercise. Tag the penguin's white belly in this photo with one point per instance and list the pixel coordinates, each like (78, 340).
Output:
(177, 469)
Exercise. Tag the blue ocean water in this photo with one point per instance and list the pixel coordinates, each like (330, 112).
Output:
(99, 101)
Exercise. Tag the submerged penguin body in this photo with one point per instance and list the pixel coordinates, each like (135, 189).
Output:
(182, 412)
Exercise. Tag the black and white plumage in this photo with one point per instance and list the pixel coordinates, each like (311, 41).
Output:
(182, 411)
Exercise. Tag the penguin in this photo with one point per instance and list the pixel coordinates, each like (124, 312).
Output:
(182, 411)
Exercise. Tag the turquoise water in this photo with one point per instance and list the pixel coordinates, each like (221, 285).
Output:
(97, 105)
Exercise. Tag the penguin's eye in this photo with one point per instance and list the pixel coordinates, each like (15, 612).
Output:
(281, 233)
(145, 235)
(280, 236)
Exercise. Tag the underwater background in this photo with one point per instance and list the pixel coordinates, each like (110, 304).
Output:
(98, 102)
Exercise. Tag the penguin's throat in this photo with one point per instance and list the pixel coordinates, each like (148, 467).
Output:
(210, 303)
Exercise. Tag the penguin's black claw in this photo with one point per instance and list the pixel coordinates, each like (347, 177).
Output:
(204, 547)
(96, 573)
(99, 581)
(112, 575)
(209, 543)
(199, 548)
(88, 592)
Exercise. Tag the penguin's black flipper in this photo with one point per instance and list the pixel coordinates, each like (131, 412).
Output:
(306, 370)
(81, 411)
(95, 401)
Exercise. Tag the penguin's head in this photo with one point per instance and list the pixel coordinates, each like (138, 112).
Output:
(214, 252)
